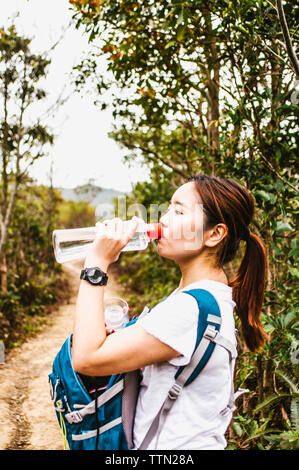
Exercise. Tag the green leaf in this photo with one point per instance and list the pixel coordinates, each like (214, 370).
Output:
(294, 408)
(294, 271)
(265, 196)
(180, 32)
(166, 26)
(270, 400)
(269, 328)
(283, 227)
(171, 43)
(293, 386)
(238, 429)
(294, 251)
(240, 29)
(180, 17)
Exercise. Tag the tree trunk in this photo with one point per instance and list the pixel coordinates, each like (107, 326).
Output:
(50, 209)
(3, 272)
(213, 79)
(5, 223)
(260, 382)
(268, 377)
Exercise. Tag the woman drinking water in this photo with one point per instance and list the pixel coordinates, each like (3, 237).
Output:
(202, 229)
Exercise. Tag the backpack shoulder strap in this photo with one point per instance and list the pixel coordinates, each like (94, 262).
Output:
(208, 335)
(209, 322)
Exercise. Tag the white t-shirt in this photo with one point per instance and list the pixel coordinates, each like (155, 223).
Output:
(194, 421)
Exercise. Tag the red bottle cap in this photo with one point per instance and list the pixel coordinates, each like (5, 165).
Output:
(154, 231)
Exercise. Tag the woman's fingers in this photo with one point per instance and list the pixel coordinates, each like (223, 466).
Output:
(112, 227)
(133, 226)
(115, 228)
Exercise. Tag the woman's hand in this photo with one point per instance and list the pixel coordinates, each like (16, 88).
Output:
(109, 331)
(107, 246)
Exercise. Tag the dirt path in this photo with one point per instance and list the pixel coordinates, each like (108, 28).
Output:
(27, 417)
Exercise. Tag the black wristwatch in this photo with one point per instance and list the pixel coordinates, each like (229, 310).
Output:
(94, 276)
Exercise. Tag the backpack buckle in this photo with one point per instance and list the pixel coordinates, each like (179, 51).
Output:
(74, 417)
(210, 333)
(175, 391)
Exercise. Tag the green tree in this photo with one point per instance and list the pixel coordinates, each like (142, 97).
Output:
(74, 214)
(23, 139)
(34, 281)
(167, 57)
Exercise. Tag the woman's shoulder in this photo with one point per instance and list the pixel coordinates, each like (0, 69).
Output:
(218, 290)
(176, 300)
(180, 309)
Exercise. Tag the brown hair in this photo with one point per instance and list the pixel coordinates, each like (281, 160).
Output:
(226, 201)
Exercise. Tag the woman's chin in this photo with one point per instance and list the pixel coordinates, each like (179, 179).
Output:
(160, 247)
(162, 251)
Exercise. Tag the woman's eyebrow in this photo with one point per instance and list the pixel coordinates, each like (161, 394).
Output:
(174, 201)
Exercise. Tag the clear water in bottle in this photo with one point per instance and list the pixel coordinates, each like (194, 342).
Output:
(116, 312)
(73, 244)
(114, 317)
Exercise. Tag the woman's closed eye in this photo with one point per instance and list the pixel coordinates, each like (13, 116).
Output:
(177, 211)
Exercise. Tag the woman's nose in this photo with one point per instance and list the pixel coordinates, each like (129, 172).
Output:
(163, 220)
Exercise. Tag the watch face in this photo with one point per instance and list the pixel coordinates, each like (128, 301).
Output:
(94, 275)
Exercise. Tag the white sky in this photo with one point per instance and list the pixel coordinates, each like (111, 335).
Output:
(82, 149)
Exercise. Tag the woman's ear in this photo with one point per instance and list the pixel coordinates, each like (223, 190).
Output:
(216, 235)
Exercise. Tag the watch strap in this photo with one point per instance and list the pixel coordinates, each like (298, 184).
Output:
(103, 281)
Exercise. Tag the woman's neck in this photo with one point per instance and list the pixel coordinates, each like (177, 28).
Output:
(197, 269)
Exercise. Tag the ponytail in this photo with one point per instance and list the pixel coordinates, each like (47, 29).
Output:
(248, 292)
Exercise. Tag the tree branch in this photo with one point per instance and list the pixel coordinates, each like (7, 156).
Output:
(154, 158)
(271, 167)
(287, 37)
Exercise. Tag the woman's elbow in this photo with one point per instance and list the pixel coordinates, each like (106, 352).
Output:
(83, 364)
(81, 360)
(80, 364)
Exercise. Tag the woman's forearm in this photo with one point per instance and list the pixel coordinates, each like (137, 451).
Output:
(89, 331)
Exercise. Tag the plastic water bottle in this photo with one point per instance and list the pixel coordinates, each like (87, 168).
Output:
(116, 312)
(73, 244)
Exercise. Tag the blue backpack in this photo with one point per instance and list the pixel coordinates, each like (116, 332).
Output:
(105, 421)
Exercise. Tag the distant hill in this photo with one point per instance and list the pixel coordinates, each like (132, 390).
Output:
(100, 198)
(94, 195)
